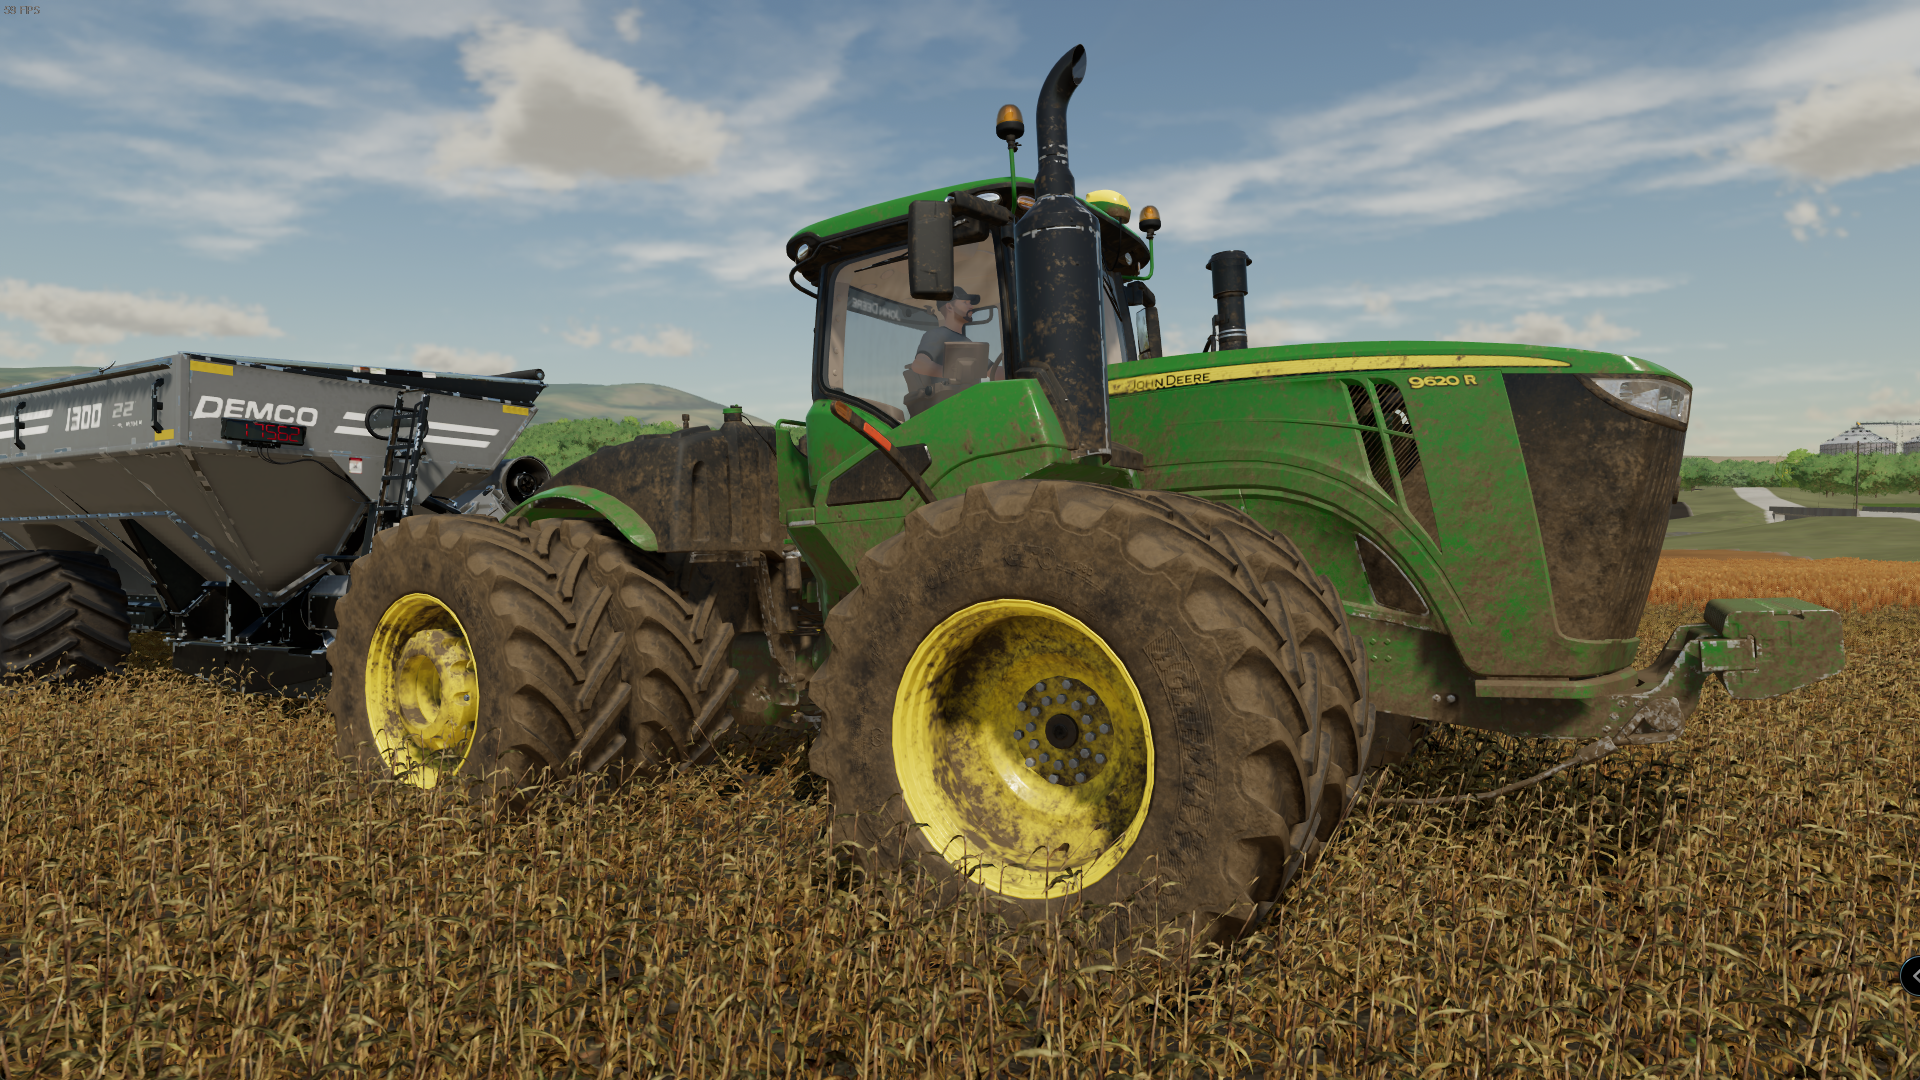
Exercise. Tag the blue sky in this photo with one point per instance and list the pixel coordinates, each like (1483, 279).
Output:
(604, 190)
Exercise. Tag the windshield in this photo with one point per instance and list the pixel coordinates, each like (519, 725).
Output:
(905, 356)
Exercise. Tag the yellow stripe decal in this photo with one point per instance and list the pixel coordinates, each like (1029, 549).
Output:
(517, 410)
(162, 436)
(211, 369)
(1233, 372)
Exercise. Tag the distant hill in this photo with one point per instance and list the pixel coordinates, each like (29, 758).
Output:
(14, 376)
(647, 403)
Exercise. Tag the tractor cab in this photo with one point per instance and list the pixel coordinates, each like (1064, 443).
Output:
(893, 354)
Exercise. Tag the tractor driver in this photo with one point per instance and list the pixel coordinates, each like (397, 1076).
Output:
(927, 382)
(953, 315)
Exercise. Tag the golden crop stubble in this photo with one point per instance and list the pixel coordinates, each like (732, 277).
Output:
(1690, 579)
(189, 882)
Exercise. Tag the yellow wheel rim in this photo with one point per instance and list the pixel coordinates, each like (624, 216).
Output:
(1022, 746)
(423, 694)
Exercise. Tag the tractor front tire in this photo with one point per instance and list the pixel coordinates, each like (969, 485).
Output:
(1052, 693)
(63, 615)
(497, 656)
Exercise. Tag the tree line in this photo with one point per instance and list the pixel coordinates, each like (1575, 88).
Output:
(1822, 474)
(560, 443)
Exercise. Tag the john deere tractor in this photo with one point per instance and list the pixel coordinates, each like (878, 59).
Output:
(1064, 619)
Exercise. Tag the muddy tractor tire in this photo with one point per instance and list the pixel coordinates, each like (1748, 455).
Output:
(1051, 693)
(63, 615)
(497, 656)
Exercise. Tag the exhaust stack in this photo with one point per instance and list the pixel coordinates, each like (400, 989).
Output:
(1058, 263)
(1230, 293)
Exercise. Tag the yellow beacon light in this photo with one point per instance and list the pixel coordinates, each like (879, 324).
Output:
(1113, 204)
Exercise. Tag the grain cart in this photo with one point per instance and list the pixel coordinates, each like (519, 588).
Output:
(1070, 615)
(220, 498)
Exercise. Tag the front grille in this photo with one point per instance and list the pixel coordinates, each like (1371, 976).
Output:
(1602, 480)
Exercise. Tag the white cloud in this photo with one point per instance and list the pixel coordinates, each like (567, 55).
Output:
(1264, 332)
(1518, 133)
(1807, 218)
(586, 339)
(469, 361)
(85, 357)
(670, 341)
(1507, 291)
(562, 114)
(80, 317)
(750, 258)
(1540, 328)
(627, 25)
(1846, 131)
(12, 348)
(385, 18)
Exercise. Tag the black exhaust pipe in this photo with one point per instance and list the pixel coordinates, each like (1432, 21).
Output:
(1230, 293)
(1057, 260)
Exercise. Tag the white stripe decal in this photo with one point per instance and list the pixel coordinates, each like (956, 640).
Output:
(41, 415)
(435, 425)
(353, 416)
(348, 429)
(451, 442)
(7, 432)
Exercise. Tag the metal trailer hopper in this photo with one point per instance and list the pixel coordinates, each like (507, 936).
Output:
(228, 494)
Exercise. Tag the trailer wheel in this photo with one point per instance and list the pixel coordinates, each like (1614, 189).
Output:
(495, 655)
(63, 615)
(1049, 692)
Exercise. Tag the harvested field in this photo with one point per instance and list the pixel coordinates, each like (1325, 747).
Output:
(1691, 578)
(191, 886)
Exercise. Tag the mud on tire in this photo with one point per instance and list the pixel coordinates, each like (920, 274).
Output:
(63, 615)
(1251, 683)
(583, 662)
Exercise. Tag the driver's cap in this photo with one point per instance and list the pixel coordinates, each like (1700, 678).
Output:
(962, 294)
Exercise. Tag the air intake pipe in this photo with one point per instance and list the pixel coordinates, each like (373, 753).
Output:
(1058, 264)
(1230, 293)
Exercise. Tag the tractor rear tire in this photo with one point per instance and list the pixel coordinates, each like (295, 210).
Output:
(63, 615)
(498, 656)
(1199, 682)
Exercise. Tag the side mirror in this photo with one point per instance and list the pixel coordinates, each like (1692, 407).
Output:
(930, 249)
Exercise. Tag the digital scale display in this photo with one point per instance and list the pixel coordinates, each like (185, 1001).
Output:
(263, 433)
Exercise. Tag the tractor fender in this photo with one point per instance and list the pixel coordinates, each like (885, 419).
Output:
(576, 501)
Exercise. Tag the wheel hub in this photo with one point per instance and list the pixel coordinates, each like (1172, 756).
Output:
(422, 690)
(1068, 749)
(434, 688)
(1049, 799)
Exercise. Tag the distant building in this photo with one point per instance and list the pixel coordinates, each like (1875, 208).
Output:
(1911, 446)
(1858, 440)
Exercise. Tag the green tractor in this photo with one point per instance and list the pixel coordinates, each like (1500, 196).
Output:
(1062, 618)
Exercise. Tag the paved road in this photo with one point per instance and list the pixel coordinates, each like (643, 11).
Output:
(1765, 499)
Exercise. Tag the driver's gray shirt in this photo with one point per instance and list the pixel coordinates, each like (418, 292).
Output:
(934, 343)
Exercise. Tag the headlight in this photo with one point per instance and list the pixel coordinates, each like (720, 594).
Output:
(1660, 400)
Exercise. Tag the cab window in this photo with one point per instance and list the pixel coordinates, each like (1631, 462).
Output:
(905, 356)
